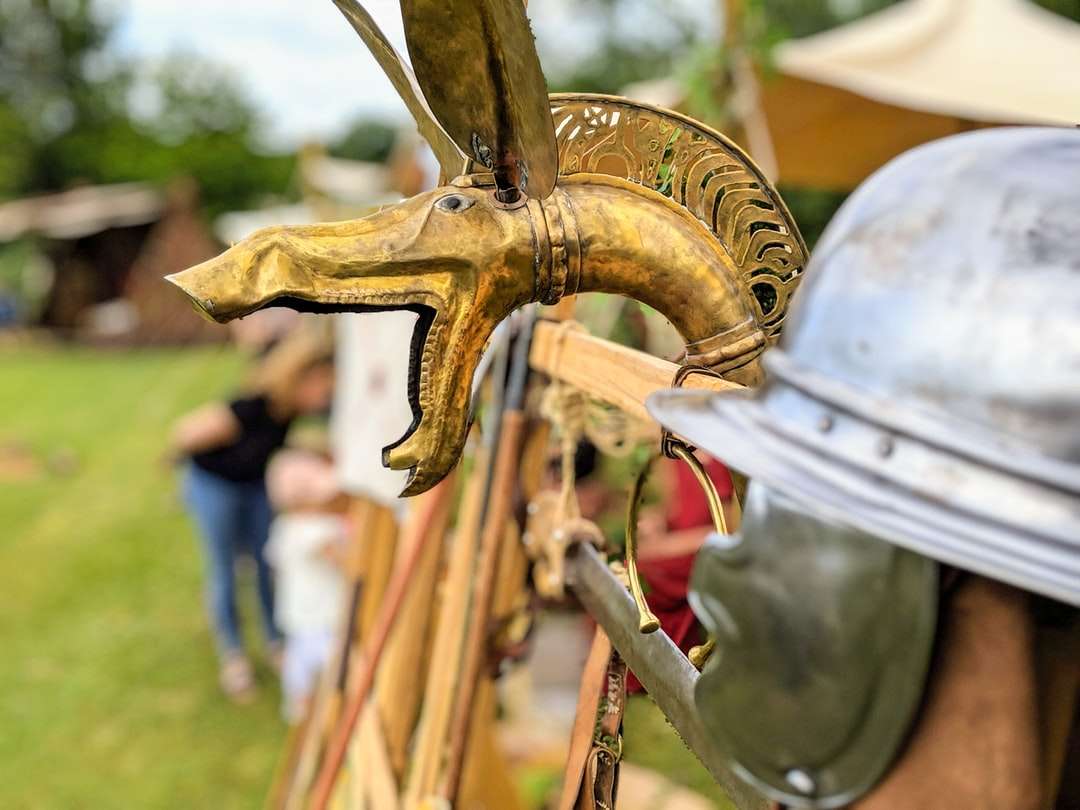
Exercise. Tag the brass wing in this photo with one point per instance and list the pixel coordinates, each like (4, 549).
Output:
(478, 67)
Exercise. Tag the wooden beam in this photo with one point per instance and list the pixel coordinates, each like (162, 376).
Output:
(604, 370)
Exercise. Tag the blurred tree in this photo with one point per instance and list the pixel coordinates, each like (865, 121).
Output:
(1066, 8)
(366, 139)
(54, 71)
(800, 18)
(17, 154)
(74, 113)
(184, 96)
(623, 50)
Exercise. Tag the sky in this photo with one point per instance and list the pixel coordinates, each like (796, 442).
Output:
(299, 59)
(302, 63)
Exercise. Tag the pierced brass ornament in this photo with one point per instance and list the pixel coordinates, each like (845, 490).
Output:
(702, 171)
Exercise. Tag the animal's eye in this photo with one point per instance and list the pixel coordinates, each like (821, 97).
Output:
(455, 203)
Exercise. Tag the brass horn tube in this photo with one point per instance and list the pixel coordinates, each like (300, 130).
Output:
(647, 620)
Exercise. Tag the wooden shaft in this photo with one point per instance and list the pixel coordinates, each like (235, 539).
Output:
(603, 370)
(324, 708)
(444, 666)
(381, 541)
(499, 513)
(374, 643)
(399, 685)
(287, 764)
(372, 779)
(487, 781)
(387, 723)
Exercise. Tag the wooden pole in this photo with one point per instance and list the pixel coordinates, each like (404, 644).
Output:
(381, 541)
(504, 483)
(289, 762)
(603, 370)
(400, 682)
(502, 492)
(373, 527)
(445, 664)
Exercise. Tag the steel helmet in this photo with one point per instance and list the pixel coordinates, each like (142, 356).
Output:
(927, 386)
(923, 404)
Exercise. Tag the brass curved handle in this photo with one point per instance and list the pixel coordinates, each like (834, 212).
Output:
(647, 620)
(712, 497)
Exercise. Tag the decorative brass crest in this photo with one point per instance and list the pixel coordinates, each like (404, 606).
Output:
(702, 171)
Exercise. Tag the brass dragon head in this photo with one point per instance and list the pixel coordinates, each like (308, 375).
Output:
(593, 194)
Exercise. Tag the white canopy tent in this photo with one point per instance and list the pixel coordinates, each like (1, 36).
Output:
(837, 105)
(846, 100)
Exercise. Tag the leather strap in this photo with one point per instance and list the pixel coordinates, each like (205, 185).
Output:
(592, 766)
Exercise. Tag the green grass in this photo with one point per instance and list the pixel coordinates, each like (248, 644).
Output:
(108, 695)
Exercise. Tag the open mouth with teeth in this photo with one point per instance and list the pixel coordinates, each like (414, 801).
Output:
(425, 317)
(422, 449)
(427, 448)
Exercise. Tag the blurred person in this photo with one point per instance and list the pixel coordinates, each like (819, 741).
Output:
(259, 332)
(227, 446)
(307, 539)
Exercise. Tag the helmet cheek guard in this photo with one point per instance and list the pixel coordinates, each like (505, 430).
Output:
(824, 635)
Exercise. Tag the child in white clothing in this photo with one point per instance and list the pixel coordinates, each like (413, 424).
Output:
(304, 549)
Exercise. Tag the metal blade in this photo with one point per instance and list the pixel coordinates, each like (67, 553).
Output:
(451, 159)
(660, 666)
(477, 65)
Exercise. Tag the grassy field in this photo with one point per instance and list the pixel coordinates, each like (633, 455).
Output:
(107, 675)
(108, 694)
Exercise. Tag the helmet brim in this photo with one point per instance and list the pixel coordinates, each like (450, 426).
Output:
(944, 506)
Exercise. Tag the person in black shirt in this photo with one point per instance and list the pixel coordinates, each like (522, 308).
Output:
(228, 446)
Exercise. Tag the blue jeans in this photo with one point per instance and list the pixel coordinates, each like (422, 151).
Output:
(232, 517)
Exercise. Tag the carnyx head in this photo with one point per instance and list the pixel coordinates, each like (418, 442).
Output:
(456, 255)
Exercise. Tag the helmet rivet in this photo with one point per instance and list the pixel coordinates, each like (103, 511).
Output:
(885, 446)
(825, 423)
(801, 781)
